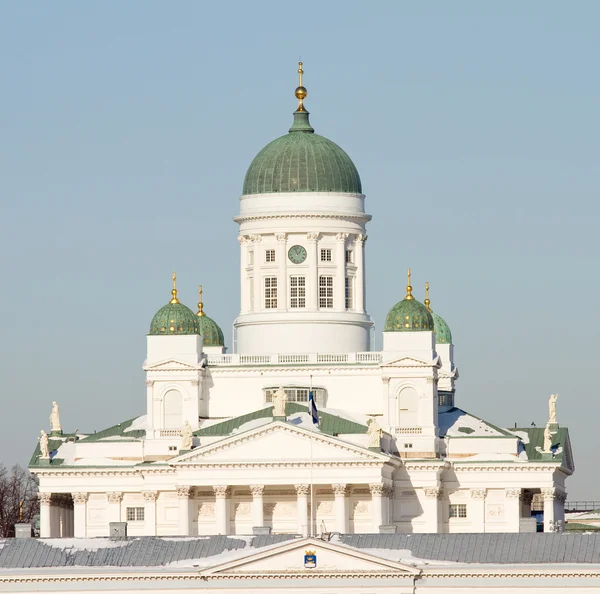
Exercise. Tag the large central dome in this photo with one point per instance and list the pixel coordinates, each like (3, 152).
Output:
(302, 161)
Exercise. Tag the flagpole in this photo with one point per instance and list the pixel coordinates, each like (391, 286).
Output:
(311, 527)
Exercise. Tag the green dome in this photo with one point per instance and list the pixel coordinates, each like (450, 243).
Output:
(408, 315)
(442, 331)
(174, 319)
(212, 335)
(302, 161)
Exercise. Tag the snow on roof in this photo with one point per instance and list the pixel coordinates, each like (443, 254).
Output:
(458, 423)
(253, 424)
(139, 424)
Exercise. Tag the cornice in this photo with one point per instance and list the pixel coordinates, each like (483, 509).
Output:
(502, 466)
(291, 464)
(282, 367)
(363, 217)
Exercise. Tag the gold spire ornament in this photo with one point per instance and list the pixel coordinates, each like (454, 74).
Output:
(409, 288)
(200, 304)
(427, 300)
(300, 92)
(174, 291)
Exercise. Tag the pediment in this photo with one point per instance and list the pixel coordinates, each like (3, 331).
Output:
(171, 365)
(412, 362)
(332, 559)
(279, 442)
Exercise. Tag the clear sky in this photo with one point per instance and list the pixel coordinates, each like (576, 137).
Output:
(126, 129)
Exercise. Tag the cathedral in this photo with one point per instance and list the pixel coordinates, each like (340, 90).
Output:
(300, 427)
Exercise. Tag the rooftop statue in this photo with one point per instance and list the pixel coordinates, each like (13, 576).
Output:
(279, 400)
(44, 453)
(374, 432)
(187, 436)
(55, 419)
(552, 408)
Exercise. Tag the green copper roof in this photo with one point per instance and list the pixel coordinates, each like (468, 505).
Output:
(408, 315)
(212, 335)
(174, 319)
(302, 161)
(442, 331)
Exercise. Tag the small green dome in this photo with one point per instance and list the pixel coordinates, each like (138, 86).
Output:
(212, 335)
(302, 161)
(408, 315)
(174, 319)
(441, 329)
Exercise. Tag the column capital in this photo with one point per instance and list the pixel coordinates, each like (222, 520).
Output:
(184, 491)
(478, 493)
(149, 383)
(388, 490)
(257, 490)
(376, 489)
(221, 491)
(340, 489)
(114, 497)
(313, 237)
(433, 492)
(45, 498)
(281, 237)
(79, 497)
(149, 495)
(513, 493)
(341, 237)
(302, 489)
(361, 238)
(549, 493)
(255, 238)
(385, 379)
(243, 239)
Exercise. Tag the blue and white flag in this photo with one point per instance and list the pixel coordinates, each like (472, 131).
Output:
(312, 408)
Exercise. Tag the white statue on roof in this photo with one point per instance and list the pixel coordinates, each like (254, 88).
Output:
(552, 408)
(187, 436)
(374, 432)
(55, 419)
(279, 400)
(547, 438)
(44, 453)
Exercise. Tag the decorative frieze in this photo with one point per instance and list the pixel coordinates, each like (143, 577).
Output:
(149, 495)
(302, 489)
(79, 498)
(221, 491)
(478, 493)
(433, 492)
(184, 491)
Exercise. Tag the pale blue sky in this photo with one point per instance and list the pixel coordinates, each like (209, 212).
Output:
(126, 128)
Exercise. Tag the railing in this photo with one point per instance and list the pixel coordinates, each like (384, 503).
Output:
(170, 432)
(408, 430)
(369, 358)
(576, 506)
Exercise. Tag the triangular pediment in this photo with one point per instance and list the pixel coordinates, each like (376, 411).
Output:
(279, 442)
(411, 362)
(311, 557)
(171, 365)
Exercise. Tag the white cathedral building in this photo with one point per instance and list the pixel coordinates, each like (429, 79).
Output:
(226, 445)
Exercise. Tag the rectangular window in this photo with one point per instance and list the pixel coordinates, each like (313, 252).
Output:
(326, 255)
(326, 291)
(271, 292)
(251, 258)
(297, 291)
(349, 257)
(135, 514)
(349, 304)
(458, 510)
(269, 255)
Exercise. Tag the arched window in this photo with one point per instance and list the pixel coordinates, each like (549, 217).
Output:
(408, 408)
(173, 403)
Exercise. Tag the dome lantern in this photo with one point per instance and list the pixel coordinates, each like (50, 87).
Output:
(409, 315)
(441, 329)
(212, 335)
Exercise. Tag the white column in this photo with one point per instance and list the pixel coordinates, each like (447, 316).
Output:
(431, 509)
(183, 494)
(512, 509)
(150, 512)
(45, 515)
(244, 297)
(341, 508)
(302, 508)
(359, 260)
(281, 258)
(259, 304)
(377, 505)
(222, 508)
(339, 284)
(549, 496)
(114, 506)
(258, 515)
(80, 515)
(476, 510)
(312, 278)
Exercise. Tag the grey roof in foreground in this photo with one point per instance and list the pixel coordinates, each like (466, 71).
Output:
(149, 551)
(486, 548)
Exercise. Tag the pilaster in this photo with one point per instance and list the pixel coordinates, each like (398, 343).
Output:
(184, 492)
(258, 514)
(359, 260)
(339, 293)
(222, 508)
(476, 509)
(432, 511)
(281, 258)
(149, 512)
(512, 509)
(45, 515)
(377, 491)
(114, 506)
(312, 278)
(80, 514)
(340, 492)
(302, 508)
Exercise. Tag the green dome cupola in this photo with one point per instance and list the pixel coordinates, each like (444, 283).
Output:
(302, 161)
(409, 315)
(441, 329)
(212, 335)
(174, 318)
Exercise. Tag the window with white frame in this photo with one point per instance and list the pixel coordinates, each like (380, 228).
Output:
(135, 514)
(326, 255)
(458, 510)
(269, 255)
(270, 292)
(250, 257)
(297, 394)
(297, 291)
(445, 398)
(349, 257)
(349, 295)
(326, 291)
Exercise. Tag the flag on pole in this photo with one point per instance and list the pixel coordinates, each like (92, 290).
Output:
(312, 408)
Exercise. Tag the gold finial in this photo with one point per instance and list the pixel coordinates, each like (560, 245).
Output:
(427, 301)
(409, 288)
(301, 92)
(174, 291)
(200, 304)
